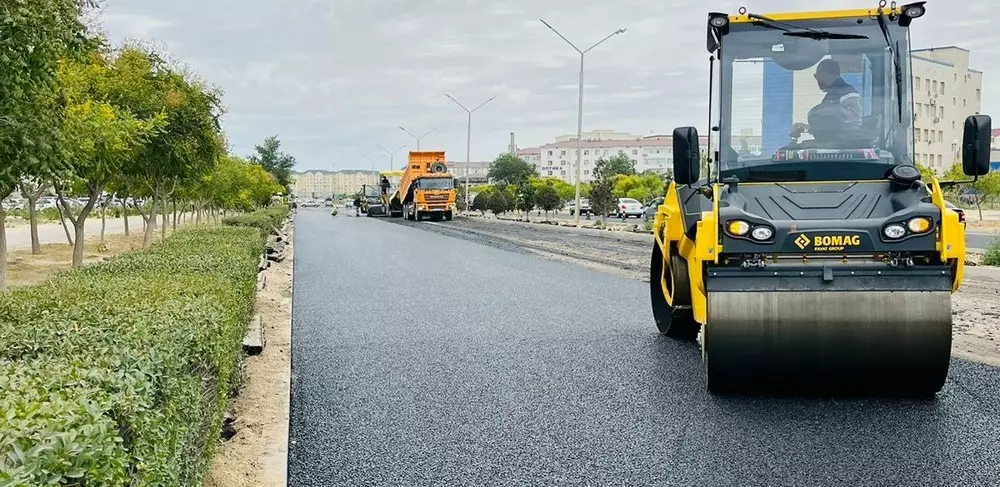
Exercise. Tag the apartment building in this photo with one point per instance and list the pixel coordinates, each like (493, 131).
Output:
(475, 171)
(649, 152)
(945, 91)
(321, 184)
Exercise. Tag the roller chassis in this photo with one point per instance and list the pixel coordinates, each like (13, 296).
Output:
(698, 268)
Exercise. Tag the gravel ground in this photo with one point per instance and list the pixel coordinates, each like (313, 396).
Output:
(422, 359)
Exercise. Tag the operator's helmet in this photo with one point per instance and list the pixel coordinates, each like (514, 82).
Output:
(827, 121)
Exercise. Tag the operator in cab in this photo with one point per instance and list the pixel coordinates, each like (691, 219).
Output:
(838, 113)
(385, 185)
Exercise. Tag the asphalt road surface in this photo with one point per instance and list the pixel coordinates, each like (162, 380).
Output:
(426, 359)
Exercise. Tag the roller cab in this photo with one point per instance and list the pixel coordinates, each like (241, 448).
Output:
(811, 255)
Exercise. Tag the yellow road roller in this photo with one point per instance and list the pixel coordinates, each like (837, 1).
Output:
(798, 242)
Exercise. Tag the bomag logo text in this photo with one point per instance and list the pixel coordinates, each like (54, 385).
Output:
(828, 243)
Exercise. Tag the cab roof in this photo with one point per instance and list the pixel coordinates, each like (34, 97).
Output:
(819, 15)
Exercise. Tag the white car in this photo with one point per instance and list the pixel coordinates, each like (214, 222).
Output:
(627, 207)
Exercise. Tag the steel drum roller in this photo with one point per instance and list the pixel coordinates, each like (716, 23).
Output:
(851, 341)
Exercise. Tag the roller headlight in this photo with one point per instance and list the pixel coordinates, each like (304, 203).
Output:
(919, 224)
(738, 228)
(894, 231)
(762, 233)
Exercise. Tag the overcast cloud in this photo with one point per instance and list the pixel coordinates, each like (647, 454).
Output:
(335, 78)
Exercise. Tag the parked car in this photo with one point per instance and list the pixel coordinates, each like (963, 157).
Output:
(310, 204)
(649, 212)
(584, 207)
(627, 207)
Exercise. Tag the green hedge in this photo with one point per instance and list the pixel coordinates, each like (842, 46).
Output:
(992, 254)
(265, 220)
(119, 373)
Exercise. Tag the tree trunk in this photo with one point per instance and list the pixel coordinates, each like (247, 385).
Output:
(80, 240)
(197, 215)
(979, 206)
(36, 245)
(3, 248)
(125, 215)
(164, 219)
(175, 214)
(62, 219)
(104, 222)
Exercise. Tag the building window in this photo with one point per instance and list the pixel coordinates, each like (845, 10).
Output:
(550, 153)
(954, 101)
(563, 172)
(586, 172)
(918, 136)
(562, 153)
(927, 84)
(935, 86)
(940, 112)
(941, 135)
(952, 124)
(586, 152)
(635, 152)
(977, 94)
(942, 87)
(621, 152)
(939, 160)
(918, 82)
(926, 137)
(550, 173)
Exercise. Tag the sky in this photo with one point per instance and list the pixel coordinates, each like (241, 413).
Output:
(336, 79)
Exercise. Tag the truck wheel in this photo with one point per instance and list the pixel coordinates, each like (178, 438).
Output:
(417, 216)
(674, 320)
(447, 215)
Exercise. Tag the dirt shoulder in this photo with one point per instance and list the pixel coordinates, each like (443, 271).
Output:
(257, 455)
(975, 307)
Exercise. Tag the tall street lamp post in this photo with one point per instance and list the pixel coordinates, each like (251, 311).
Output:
(579, 114)
(415, 137)
(392, 167)
(373, 160)
(468, 142)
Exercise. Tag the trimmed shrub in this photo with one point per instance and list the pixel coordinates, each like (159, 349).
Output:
(265, 220)
(992, 254)
(119, 373)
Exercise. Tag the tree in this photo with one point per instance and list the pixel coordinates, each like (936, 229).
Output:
(511, 169)
(642, 188)
(602, 199)
(616, 165)
(99, 137)
(526, 199)
(985, 187)
(547, 198)
(273, 160)
(34, 36)
(926, 174)
(499, 203)
(481, 202)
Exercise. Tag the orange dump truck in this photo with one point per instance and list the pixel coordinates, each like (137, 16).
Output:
(426, 189)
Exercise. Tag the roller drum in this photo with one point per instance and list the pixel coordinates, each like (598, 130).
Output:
(893, 342)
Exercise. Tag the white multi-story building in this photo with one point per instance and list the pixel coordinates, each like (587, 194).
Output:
(650, 153)
(945, 91)
(320, 184)
(475, 171)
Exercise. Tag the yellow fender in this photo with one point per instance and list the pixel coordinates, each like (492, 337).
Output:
(951, 235)
(668, 230)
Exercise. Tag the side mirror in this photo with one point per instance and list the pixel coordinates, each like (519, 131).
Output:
(687, 157)
(976, 145)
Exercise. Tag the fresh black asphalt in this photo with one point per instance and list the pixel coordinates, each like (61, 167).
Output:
(425, 359)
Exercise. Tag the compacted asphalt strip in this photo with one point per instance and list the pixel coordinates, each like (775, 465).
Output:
(425, 359)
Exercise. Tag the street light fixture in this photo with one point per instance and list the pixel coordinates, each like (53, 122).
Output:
(392, 167)
(468, 141)
(372, 160)
(579, 114)
(415, 137)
